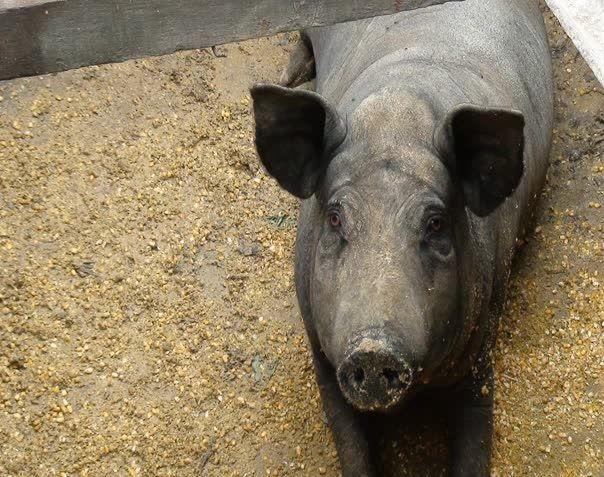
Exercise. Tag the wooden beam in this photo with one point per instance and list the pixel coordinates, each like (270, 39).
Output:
(44, 36)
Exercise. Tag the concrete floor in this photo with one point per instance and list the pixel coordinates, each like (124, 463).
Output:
(583, 20)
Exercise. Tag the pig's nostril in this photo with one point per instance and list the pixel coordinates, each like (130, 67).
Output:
(359, 376)
(392, 378)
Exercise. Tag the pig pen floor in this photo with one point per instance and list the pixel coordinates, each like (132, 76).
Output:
(147, 316)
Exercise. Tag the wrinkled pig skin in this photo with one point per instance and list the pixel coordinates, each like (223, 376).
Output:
(419, 159)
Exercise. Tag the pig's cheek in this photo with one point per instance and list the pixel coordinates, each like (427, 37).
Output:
(330, 244)
(443, 305)
(324, 305)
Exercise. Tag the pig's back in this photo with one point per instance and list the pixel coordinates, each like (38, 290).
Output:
(495, 38)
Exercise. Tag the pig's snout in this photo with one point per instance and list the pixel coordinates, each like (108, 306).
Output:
(374, 375)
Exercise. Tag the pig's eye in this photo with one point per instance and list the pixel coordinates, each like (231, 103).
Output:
(437, 236)
(334, 219)
(436, 225)
(437, 230)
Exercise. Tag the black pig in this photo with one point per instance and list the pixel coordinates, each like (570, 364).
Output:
(420, 156)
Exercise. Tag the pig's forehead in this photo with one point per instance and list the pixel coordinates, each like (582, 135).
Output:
(369, 167)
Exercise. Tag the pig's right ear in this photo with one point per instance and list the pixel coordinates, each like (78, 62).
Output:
(297, 131)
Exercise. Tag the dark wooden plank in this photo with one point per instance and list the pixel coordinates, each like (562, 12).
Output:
(44, 36)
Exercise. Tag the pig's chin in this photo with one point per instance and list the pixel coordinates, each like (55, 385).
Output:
(374, 376)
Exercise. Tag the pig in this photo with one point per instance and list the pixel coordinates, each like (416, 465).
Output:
(419, 157)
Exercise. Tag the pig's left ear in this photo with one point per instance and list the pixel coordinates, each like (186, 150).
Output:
(483, 148)
(296, 133)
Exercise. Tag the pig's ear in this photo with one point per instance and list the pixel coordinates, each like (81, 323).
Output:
(483, 148)
(296, 133)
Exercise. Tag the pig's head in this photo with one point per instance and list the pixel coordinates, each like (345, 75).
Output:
(392, 240)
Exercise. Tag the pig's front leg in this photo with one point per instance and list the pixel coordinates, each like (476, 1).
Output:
(349, 436)
(300, 70)
(471, 422)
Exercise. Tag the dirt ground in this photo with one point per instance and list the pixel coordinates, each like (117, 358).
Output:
(148, 323)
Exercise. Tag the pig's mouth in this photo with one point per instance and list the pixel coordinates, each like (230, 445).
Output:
(374, 375)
